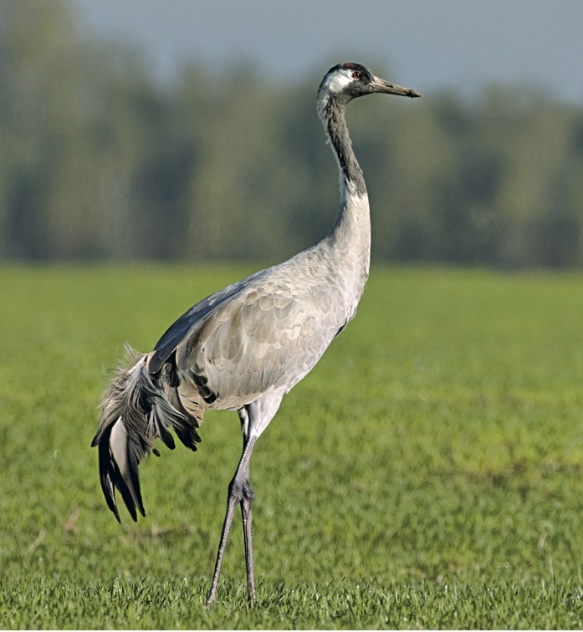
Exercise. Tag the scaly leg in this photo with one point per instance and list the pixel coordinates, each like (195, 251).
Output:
(240, 491)
(246, 505)
(231, 502)
(254, 417)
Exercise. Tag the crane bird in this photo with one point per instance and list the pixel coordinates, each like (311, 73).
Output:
(244, 347)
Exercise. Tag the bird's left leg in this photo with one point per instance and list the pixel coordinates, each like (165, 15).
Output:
(246, 505)
(238, 487)
(255, 417)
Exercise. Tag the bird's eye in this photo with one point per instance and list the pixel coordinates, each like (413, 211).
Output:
(356, 74)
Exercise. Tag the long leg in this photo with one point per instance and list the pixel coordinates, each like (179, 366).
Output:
(255, 417)
(240, 491)
(246, 505)
(231, 502)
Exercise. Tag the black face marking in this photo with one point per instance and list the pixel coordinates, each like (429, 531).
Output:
(359, 72)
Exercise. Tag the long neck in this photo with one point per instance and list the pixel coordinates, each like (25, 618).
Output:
(350, 234)
(332, 114)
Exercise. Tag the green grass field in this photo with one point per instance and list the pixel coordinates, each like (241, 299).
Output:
(426, 474)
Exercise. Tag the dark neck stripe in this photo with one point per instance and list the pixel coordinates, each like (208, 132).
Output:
(337, 130)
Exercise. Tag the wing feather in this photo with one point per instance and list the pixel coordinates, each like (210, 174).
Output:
(263, 333)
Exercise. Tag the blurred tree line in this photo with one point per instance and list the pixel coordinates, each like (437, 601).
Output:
(99, 162)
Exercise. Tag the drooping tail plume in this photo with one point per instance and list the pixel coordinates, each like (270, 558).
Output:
(135, 413)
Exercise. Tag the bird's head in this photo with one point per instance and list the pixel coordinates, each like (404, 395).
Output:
(345, 82)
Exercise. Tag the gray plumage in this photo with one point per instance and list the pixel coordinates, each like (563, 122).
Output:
(244, 347)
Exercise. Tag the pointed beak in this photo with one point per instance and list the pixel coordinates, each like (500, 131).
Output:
(386, 87)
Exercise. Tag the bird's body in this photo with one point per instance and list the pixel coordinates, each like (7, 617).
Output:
(244, 347)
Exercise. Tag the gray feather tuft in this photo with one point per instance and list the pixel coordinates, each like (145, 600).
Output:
(135, 413)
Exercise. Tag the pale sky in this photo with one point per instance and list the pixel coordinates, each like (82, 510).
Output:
(424, 44)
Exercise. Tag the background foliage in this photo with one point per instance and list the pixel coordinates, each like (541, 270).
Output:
(99, 162)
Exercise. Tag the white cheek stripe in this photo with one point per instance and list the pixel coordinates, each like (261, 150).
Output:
(338, 81)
